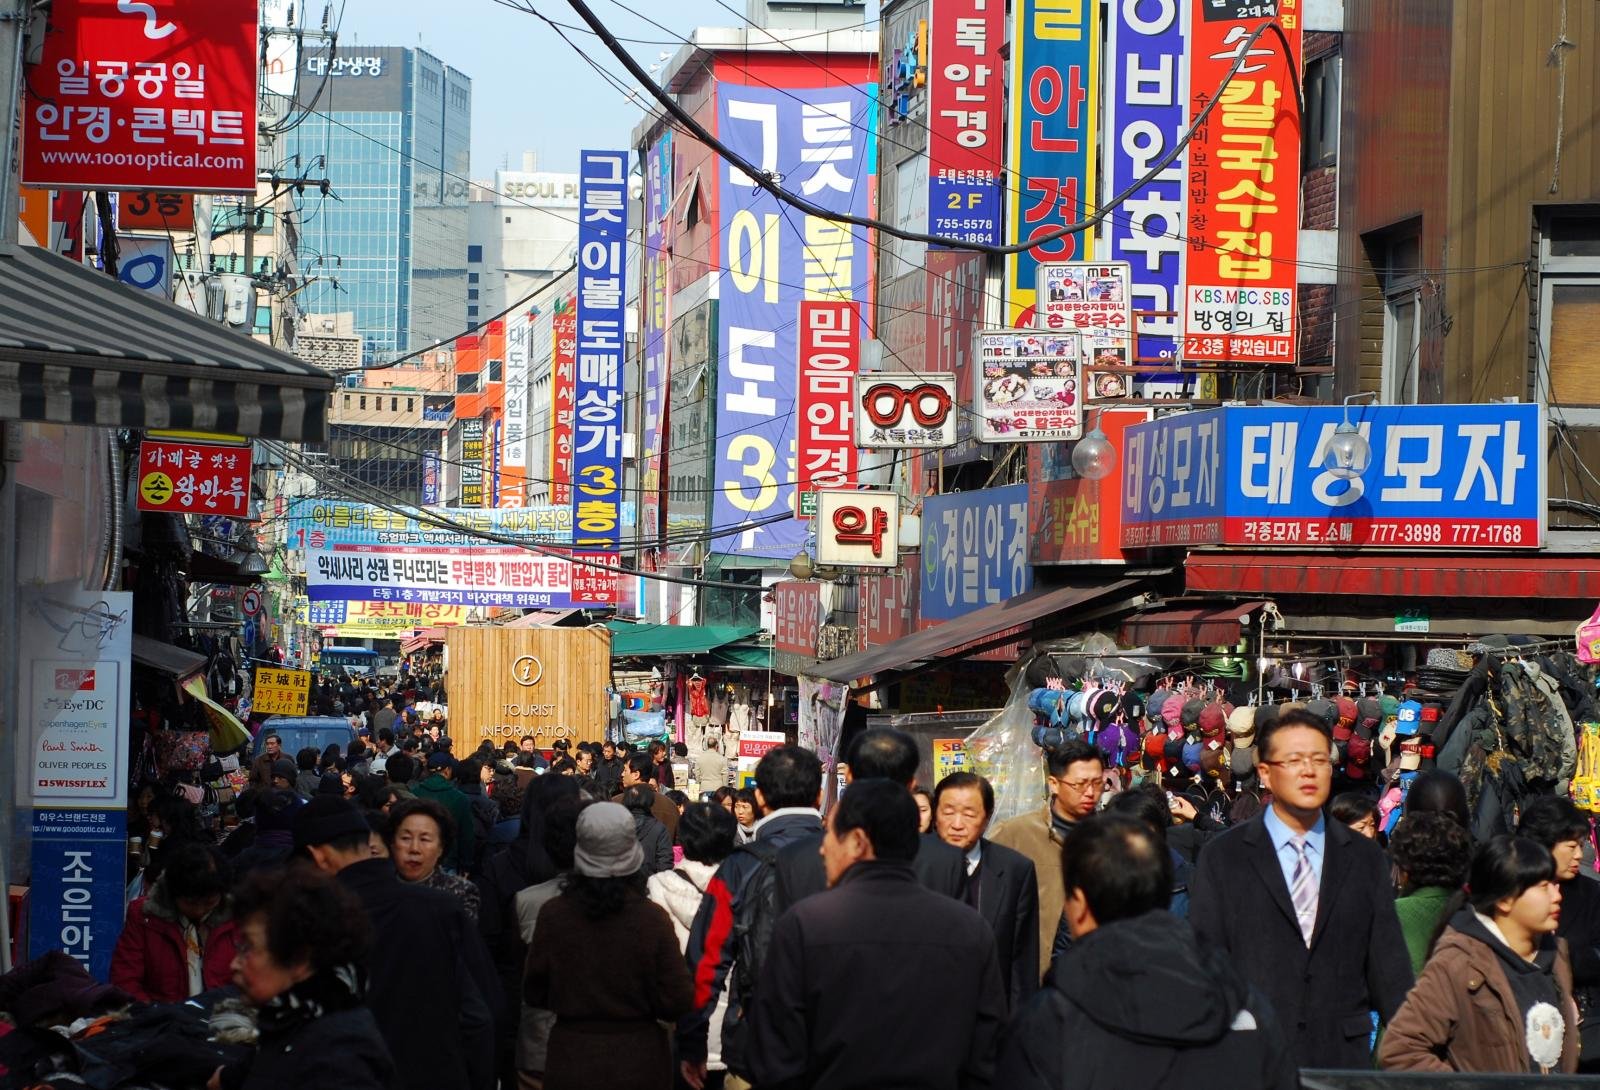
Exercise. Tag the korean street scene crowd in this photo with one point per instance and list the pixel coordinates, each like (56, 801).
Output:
(400, 915)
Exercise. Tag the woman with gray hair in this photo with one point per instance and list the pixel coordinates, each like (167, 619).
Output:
(606, 961)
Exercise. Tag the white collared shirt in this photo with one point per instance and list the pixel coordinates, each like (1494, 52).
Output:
(974, 857)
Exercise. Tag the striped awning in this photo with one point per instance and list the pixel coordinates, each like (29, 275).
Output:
(78, 348)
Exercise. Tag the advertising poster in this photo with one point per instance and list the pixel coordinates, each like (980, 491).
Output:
(482, 575)
(821, 141)
(281, 692)
(974, 550)
(1091, 298)
(314, 523)
(1244, 188)
(376, 620)
(563, 379)
(1050, 155)
(830, 357)
(602, 341)
(966, 119)
(1031, 388)
(653, 318)
(194, 478)
(78, 894)
(949, 755)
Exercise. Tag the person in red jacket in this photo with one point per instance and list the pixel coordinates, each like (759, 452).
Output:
(179, 940)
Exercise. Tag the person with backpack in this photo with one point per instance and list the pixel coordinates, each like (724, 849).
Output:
(742, 903)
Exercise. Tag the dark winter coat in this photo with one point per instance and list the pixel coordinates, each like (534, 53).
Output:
(341, 1050)
(656, 843)
(1580, 926)
(438, 788)
(1142, 1002)
(150, 960)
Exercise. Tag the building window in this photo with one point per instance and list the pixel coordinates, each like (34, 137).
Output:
(508, 219)
(411, 404)
(472, 278)
(466, 384)
(363, 403)
(1568, 371)
(494, 370)
(1399, 262)
(472, 293)
(394, 404)
(474, 255)
(1321, 84)
(347, 401)
(472, 312)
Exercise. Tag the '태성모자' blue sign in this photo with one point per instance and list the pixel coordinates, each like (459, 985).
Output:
(974, 550)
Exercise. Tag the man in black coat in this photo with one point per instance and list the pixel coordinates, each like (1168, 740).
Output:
(1304, 907)
(1001, 883)
(435, 1000)
(878, 981)
(1138, 1000)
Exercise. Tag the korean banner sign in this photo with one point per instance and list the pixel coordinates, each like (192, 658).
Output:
(514, 435)
(194, 478)
(830, 357)
(563, 379)
(131, 96)
(1244, 188)
(820, 140)
(974, 550)
(966, 106)
(481, 575)
(654, 322)
(1055, 79)
(472, 462)
(602, 277)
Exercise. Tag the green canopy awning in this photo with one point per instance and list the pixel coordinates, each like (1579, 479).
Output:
(629, 641)
(743, 655)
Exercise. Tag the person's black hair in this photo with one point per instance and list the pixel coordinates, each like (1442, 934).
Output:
(400, 768)
(1148, 806)
(377, 822)
(180, 819)
(722, 793)
(883, 810)
(884, 753)
(1057, 759)
(1120, 865)
(658, 746)
(642, 766)
(330, 755)
(1296, 718)
(429, 809)
(356, 752)
(678, 799)
(600, 898)
(1432, 851)
(1437, 792)
(748, 795)
(391, 791)
(1349, 807)
(469, 770)
(269, 736)
(639, 799)
(1506, 866)
(369, 789)
(561, 766)
(306, 759)
(680, 749)
(789, 776)
(560, 837)
(399, 701)
(195, 870)
(386, 734)
(707, 833)
(960, 780)
(309, 916)
(1551, 820)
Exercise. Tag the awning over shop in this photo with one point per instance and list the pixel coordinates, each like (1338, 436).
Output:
(77, 347)
(176, 662)
(1201, 626)
(1055, 605)
(1392, 575)
(652, 640)
(541, 617)
(743, 656)
(426, 638)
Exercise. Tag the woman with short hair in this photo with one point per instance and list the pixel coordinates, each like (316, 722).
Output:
(421, 836)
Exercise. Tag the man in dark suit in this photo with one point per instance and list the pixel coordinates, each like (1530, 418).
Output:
(1304, 907)
(879, 754)
(1001, 883)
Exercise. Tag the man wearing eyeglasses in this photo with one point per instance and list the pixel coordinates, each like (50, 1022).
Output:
(1073, 773)
(1303, 906)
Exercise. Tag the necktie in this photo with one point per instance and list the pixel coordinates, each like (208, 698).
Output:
(974, 886)
(1303, 890)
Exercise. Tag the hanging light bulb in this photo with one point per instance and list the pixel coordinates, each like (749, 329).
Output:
(1094, 457)
(1348, 452)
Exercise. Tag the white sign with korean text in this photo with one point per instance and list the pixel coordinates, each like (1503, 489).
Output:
(858, 529)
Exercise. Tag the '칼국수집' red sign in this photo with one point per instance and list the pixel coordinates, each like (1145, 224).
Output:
(144, 96)
(194, 478)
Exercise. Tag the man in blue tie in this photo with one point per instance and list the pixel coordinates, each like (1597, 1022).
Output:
(1303, 906)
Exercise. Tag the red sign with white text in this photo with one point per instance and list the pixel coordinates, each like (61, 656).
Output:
(796, 617)
(1076, 520)
(563, 368)
(194, 478)
(830, 357)
(966, 118)
(592, 585)
(1244, 190)
(144, 96)
(888, 604)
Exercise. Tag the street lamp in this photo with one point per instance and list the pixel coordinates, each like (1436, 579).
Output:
(1094, 457)
(802, 567)
(1348, 453)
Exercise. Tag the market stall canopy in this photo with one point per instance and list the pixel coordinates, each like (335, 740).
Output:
(426, 638)
(1059, 603)
(743, 656)
(76, 347)
(1380, 574)
(176, 662)
(629, 641)
(227, 733)
(1214, 625)
(541, 617)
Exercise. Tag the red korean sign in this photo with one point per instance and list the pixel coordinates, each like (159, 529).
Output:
(830, 358)
(966, 118)
(1075, 520)
(1244, 190)
(194, 478)
(152, 210)
(144, 96)
(563, 403)
(796, 617)
(888, 604)
(592, 585)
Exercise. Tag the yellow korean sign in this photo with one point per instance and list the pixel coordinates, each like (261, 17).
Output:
(281, 692)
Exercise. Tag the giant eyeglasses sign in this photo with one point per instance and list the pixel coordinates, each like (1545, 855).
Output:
(858, 529)
(905, 411)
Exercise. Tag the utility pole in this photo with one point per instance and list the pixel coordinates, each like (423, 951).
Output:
(13, 33)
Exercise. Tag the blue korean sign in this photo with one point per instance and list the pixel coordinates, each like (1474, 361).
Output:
(597, 389)
(1145, 113)
(430, 478)
(1439, 477)
(974, 550)
(327, 614)
(820, 141)
(79, 885)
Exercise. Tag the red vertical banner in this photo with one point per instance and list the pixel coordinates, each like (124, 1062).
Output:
(563, 364)
(830, 358)
(966, 118)
(1244, 188)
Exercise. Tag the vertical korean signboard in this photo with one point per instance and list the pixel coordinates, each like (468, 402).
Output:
(514, 430)
(653, 319)
(1244, 187)
(966, 106)
(830, 358)
(129, 96)
(597, 426)
(563, 381)
(1055, 59)
(472, 462)
(821, 141)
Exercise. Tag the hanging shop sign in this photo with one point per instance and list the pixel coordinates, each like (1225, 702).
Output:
(905, 411)
(481, 575)
(974, 550)
(858, 529)
(830, 358)
(597, 402)
(654, 342)
(547, 683)
(887, 604)
(966, 111)
(1244, 187)
(472, 462)
(1091, 299)
(1031, 386)
(563, 396)
(146, 263)
(796, 617)
(131, 97)
(1076, 520)
(77, 894)
(430, 478)
(1055, 79)
(194, 478)
(314, 523)
(820, 141)
(954, 316)
(281, 692)
(155, 210)
(1454, 477)
(376, 620)
(514, 434)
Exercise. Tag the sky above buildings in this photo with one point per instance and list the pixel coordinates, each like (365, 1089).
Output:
(530, 90)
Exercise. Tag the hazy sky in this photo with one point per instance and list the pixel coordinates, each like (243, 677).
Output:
(530, 91)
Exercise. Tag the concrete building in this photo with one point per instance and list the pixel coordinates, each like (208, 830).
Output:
(521, 233)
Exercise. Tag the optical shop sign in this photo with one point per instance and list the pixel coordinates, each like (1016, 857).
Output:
(1438, 477)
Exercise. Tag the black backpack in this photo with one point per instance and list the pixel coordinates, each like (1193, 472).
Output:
(762, 900)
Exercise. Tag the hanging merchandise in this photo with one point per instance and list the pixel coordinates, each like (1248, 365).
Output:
(1589, 639)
